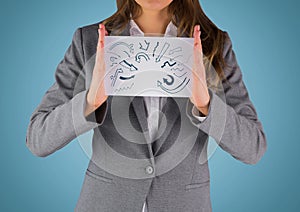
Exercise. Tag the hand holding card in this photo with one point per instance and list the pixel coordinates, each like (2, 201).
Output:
(96, 95)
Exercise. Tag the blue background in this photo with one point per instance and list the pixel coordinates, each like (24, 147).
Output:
(265, 34)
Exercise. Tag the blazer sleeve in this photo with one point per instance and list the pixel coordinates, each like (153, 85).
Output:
(59, 118)
(233, 123)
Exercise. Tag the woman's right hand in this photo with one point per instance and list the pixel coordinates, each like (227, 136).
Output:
(96, 94)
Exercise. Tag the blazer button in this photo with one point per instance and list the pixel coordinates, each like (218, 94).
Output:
(149, 169)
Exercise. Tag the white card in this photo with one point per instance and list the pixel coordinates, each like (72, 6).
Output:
(148, 66)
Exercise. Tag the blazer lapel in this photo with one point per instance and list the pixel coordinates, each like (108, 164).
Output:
(141, 114)
(172, 109)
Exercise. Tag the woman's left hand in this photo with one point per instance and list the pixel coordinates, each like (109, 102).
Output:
(200, 95)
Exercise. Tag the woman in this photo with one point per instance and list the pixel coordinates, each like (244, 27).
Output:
(76, 103)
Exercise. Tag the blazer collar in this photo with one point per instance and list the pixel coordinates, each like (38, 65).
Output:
(125, 31)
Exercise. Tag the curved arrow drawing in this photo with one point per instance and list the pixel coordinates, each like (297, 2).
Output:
(166, 80)
(172, 91)
(129, 46)
(141, 54)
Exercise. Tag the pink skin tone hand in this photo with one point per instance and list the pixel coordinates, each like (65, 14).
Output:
(96, 95)
(200, 95)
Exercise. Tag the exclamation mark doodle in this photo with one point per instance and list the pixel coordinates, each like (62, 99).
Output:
(157, 44)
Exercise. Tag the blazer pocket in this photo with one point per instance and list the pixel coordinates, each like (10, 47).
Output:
(98, 177)
(197, 185)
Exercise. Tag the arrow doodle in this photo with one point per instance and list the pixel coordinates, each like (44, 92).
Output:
(178, 49)
(166, 80)
(115, 76)
(141, 54)
(147, 45)
(127, 65)
(162, 52)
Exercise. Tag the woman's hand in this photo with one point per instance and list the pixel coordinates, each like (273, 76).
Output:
(200, 95)
(96, 94)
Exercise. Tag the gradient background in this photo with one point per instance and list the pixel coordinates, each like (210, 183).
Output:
(265, 34)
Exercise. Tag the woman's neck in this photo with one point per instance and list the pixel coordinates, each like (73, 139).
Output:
(153, 21)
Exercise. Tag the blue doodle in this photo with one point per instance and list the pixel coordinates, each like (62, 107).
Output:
(166, 80)
(177, 69)
(157, 44)
(127, 65)
(176, 57)
(112, 59)
(124, 88)
(114, 54)
(147, 46)
(179, 75)
(126, 78)
(128, 55)
(178, 49)
(115, 76)
(175, 90)
(129, 46)
(141, 54)
(162, 52)
(167, 62)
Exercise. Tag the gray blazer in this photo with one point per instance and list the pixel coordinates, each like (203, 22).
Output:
(127, 169)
